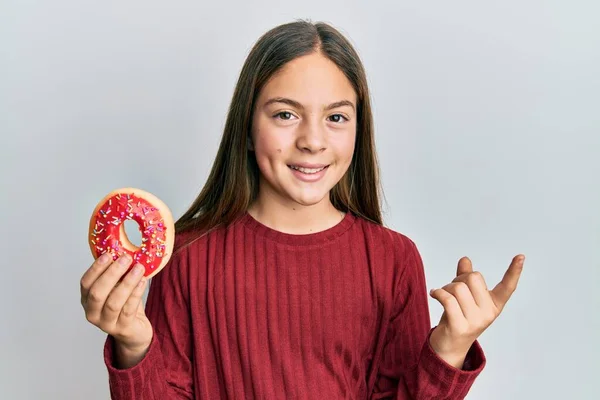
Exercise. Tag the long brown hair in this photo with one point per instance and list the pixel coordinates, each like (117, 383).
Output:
(234, 178)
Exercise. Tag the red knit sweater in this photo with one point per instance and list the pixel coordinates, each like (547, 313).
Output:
(248, 312)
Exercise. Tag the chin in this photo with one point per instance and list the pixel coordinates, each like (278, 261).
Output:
(306, 199)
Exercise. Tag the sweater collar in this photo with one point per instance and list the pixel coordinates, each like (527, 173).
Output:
(315, 238)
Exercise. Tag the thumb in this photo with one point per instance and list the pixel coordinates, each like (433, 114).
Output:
(464, 266)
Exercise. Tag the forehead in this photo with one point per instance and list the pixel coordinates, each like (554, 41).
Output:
(311, 80)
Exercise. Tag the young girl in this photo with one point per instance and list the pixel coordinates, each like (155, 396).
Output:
(284, 283)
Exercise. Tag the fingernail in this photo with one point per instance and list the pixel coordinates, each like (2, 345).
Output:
(124, 260)
(137, 270)
(103, 259)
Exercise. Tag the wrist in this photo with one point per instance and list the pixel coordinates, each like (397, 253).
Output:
(128, 355)
(452, 351)
(457, 360)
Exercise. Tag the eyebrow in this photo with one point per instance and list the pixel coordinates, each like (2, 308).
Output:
(295, 104)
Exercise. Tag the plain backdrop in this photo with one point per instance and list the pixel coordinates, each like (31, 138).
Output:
(488, 129)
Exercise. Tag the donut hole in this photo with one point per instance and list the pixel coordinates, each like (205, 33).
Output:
(133, 232)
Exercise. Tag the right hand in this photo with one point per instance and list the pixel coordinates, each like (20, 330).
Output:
(117, 307)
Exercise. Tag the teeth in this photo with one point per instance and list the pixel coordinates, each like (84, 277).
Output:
(307, 170)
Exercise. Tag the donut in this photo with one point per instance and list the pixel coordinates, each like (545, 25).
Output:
(155, 222)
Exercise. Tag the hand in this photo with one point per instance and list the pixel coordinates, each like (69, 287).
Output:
(470, 308)
(114, 305)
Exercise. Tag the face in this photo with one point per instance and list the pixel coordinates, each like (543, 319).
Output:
(303, 132)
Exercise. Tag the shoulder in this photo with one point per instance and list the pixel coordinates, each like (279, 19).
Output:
(397, 258)
(193, 244)
(390, 240)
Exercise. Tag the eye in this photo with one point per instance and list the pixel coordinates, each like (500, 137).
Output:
(284, 115)
(338, 118)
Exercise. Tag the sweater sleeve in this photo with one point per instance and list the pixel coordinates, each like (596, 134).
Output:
(410, 368)
(165, 372)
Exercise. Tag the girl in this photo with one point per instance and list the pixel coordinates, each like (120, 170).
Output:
(284, 283)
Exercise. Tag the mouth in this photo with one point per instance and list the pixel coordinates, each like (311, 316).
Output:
(308, 171)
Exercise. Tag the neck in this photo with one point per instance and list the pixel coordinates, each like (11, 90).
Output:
(295, 218)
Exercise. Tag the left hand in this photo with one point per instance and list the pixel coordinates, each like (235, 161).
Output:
(470, 308)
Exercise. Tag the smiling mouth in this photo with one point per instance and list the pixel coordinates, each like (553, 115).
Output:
(308, 170)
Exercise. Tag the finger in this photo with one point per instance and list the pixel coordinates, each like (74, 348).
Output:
(465, 299)
(89, 277)
(506, 287)
(121, 293)
(478, 287)
(133, 303)
(102, 287)
(464, 266)
(452, 309)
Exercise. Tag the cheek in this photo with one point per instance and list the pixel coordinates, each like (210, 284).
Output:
(269, 144)
(269, 147)
(268, 150)
(345, 148)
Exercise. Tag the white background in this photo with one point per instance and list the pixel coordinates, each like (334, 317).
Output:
(487, 123)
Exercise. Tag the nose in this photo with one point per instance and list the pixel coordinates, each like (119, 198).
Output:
(311, 137)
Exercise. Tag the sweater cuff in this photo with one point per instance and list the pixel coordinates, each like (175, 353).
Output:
(453, 380)
(133, 377)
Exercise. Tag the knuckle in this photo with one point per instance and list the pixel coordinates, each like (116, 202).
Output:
(450, 301)
(112, 306)
(128, 312)
(461, 285)
(83, 283)
(92, 319)
(461, 288)
(475, 277)
(94, 295)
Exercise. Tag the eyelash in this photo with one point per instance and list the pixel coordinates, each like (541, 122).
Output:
(287, 112)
